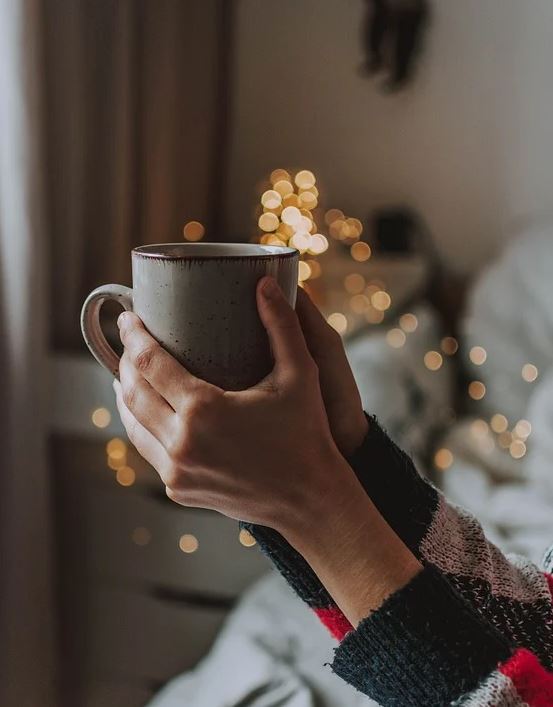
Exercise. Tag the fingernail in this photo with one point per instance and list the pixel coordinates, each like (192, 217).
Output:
(122, 320)
(270, 289)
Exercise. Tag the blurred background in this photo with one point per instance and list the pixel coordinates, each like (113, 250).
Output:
(405, 147)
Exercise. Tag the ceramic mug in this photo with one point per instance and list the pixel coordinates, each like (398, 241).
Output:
(198, 300)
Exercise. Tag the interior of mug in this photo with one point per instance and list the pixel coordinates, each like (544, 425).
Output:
(211, 250)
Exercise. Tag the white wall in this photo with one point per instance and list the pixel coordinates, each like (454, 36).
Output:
(469, 144)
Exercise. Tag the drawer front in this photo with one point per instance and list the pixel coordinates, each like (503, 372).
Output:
(136, 538)
(143, 640)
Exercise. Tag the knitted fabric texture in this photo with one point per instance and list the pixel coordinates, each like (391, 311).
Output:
(473, 628)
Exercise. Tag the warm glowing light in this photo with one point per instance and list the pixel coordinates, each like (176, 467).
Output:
(193, 231)
(125, 476)
(101, 417)
(477, 390)
(268, 222)
(449, 345)
(408, 322)
(273, 239)
(291, 216)
(499, 423)
(517, 449)
(381, 300)
(338, 322)
(271, 199)
(355, 227)
(333, 215)
(443, 459)
(116, 448)
(283, 188)
(360, 304)
(433, 360)
(360, 251)
(278, 175)
(115, 464)
(304, 271)
(188, 543)
(285, 231)
(304, 224)
(141, 536)
(336, 228)
(396, 338)
(480, 429)
(301, 241)
(291, 200)
(308, 200)
(245, 538)
(529, 372)
(374, 316)
(505, 439)
(354, 283)
(523, 429)
(316, 270)
(478, 355)
(305, 179)
(319, 244)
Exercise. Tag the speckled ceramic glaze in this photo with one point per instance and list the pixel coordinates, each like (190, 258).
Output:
(198, 300)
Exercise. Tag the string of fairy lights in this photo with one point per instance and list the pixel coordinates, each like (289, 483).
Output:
(289, 214)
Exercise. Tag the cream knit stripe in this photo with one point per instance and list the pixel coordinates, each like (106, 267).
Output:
(496, 691)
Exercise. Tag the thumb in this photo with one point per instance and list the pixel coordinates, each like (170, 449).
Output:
(282, 325)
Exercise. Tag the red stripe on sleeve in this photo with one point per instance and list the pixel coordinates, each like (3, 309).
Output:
(533, 683)
(549, 579)
(335, 621)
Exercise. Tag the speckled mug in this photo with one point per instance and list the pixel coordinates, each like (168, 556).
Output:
(198, 300)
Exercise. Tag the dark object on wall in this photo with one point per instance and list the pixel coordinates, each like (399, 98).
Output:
(396, 230)
(393, 36)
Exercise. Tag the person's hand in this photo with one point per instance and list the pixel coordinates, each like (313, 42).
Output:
(266, 454)
(341, 397)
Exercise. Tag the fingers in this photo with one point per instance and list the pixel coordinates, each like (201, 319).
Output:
(146, 404)
(146, 444)
(322, 340)
(161, 370)
(283, 328)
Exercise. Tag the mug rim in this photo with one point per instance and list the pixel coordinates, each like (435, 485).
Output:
(155, 250)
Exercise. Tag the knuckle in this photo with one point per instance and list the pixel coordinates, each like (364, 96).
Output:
(179, 448)
(130, 395)
(144, 358)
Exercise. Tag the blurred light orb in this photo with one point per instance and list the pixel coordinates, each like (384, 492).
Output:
(523, 429)
(478, 355)
(333, 215)
(245, 538)
(354, 283)
(285, 231)
(291, 200)
(480, 429)
(305, 224)
(268, 222)
(116, 448)
(504, 440)
(291, 216)
(443, 459)
(283, 188)
(396, 338)
(141, 536)
(476, 390)
(188, 543)
(301, 241)
(115, 463)
(408, 322)
(517, 449)
(335, 228)
(312, 189)
(304, 271)
(374, 316)
(278, 175)
(273, 239)
(193, 231)
(308, 200)
(360, 304)
(355, 226)
(101, 417)
(305, 179)
(529, 372)
(319, 244)
(499, 423)
(125, 476)
(381, 300)
(433, 360)
(338, 322)
(360, 251)
(271, 199)
(316, 270)
(449, 345)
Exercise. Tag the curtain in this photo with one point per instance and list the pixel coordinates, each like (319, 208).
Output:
(27, 645)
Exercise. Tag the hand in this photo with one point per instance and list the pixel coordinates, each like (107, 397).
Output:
(339, 389)
(265, 455)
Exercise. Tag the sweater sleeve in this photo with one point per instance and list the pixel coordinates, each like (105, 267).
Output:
(506, 598)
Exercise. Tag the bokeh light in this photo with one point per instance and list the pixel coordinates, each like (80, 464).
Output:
(354, 283)
(268, 222)
(449, 345)
(305, 179)
(529, 372)
(245, 538)
(338, 321)
(443, 459)
(101, 417)
(408, 322)
(476, 390)
(478, 355)
(396, 338)
(381, 300)
(125, 476)
(499, 423)
(193, 231)
(433, 360)
(188, 543)
(360, 251)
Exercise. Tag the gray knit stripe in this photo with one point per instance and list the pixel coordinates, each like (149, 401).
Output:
(496, 691)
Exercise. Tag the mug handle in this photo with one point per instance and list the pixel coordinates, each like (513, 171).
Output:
(90, 323)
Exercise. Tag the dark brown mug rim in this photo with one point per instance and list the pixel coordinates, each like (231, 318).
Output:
(155, 250)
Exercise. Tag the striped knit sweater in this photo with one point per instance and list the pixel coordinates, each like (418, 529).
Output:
(473, 628)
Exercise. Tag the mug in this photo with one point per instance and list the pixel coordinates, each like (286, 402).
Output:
(198, 301)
